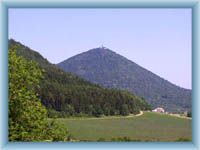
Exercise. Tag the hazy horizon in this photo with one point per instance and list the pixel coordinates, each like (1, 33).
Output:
(157, 39)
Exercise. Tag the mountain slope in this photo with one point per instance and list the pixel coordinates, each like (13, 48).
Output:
(65, 94)
(109, 69)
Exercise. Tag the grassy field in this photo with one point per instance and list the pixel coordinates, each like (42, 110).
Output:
(147, 127)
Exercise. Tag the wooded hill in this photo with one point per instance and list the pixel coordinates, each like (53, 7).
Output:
(65, 94)
(109, 69)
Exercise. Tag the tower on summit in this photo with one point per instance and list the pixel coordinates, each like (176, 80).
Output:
(102, 47)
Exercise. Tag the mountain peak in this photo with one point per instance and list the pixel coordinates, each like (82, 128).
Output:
(101, 49)
(105, 67)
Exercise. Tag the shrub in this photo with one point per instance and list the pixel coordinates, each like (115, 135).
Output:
(101, 140)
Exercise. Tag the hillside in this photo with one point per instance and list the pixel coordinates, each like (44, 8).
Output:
(65, 94)
(109, 69)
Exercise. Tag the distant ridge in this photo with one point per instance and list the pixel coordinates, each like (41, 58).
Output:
(107, 68)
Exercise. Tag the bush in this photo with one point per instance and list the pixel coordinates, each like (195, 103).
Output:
(70, 137)
(121, 139)
(68, 110)
(53, 113)
(101, 140)
(98, 111)
(56, 131)
(189, 114)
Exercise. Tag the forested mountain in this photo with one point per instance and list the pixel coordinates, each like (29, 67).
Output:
(65, 94)
(109, 69)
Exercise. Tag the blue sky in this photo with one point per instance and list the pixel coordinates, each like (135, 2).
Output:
(157, 39)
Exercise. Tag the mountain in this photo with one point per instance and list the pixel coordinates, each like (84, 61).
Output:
(109, 69)
(65, 94)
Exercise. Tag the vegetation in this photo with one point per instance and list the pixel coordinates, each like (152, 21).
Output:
(27, 116)
(183, 140)
(105, 67)
(189, 114)
(65, 94)
(147, 127)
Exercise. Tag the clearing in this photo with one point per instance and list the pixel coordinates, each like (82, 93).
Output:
(148, 126)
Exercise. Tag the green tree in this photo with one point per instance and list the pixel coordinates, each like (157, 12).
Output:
(53, 113)
(68, 109)
(27, 116)
(56, 131)
(98, 111)
(106, 109)
(124, 110)
(189, 114)
(90, 110)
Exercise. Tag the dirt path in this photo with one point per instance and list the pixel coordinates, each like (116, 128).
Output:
(179, 116)
(140, 114)
(109, 117)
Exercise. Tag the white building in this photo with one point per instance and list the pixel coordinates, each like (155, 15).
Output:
(159, 110)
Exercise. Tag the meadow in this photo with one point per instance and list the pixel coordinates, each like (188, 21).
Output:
(147, 127)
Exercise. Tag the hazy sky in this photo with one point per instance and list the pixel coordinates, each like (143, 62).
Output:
(157, 39)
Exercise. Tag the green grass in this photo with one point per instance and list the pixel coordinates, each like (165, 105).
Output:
(148, 127)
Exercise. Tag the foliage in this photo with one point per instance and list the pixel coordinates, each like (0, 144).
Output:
(68, 109)
(27, 115)
(183, 140)
(121, 139)
(189, 114)
(101, 140)
(56, 131)
(124, 110)
(53, 113)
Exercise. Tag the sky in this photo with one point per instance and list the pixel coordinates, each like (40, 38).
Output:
(156, 39)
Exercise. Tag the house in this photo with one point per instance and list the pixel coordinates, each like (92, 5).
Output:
(159, 110)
